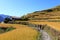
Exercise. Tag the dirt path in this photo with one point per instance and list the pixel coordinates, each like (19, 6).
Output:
(45, 35)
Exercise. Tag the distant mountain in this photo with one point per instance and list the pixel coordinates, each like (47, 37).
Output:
(2, 17)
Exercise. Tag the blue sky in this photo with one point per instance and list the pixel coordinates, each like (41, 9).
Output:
(23, 7)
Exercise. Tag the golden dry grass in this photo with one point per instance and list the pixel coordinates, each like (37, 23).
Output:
(13, 25)
(20, 33)
(55, 25)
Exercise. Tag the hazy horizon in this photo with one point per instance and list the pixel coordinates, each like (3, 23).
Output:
(23, 7)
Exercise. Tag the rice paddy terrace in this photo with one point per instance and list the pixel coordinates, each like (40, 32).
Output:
(52, 28)
(54, 25)
(50, 15)
(20, 33)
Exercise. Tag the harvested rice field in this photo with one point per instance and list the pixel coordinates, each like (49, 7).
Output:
(55, 25)
(20, 33)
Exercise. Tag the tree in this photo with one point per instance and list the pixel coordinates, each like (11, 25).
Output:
(7, 20)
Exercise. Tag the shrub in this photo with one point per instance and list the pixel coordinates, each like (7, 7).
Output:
(3, 30)
(7, 20)
(10, 28)
(49, 10)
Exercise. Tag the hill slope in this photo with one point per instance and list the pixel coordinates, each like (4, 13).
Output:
(20, 33)
(49, 14)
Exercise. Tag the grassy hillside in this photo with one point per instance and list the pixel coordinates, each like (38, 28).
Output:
(51, 17)
(20, 33)
(45, 15)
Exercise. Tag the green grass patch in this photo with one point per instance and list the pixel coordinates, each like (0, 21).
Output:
(5, 29)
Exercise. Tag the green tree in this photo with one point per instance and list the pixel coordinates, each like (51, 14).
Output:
(7, 20)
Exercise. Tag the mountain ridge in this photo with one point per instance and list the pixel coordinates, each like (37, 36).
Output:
(2, 17)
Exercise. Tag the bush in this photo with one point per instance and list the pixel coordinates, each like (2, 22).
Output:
(7, 20)
(3, 30)
(49, 10)
(10, 28)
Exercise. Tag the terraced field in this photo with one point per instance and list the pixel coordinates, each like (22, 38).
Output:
(20, 33)
(55, 25)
